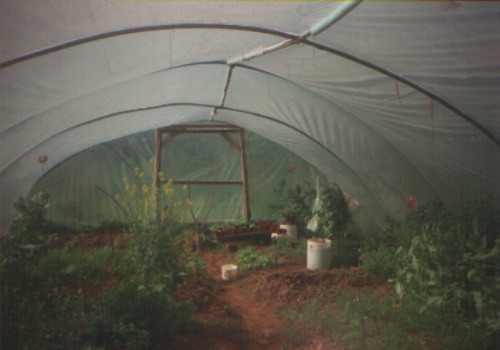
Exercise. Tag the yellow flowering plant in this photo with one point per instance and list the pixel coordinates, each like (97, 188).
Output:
(153, 216)
(147, 205)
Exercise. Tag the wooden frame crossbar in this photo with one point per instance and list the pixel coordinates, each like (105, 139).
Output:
(224, 131)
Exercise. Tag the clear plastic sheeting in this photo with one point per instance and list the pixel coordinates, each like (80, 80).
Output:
(393, 99)
(83, 186)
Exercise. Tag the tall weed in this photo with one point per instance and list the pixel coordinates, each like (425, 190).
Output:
(451, 262)
(137, 316)
(364, 320)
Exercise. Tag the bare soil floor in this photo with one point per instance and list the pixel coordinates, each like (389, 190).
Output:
(244, 313)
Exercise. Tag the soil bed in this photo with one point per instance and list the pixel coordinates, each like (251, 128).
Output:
(247, 307)
(243, 314)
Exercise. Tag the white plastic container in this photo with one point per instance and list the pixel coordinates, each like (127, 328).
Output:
(319, 253)
(229, 272)
(291, 232)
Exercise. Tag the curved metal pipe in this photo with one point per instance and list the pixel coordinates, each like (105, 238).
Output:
(305, 41)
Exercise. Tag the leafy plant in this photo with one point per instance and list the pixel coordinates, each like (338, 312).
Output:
(451, 261)
(364, 320)
(146, 204)
(30, 225)
(104, 227)
(136, 316)
(293, 204)
(249, 258)
(152, 216)
(245, 222)
(333, 213)
(297, 251)
(345, 252)
(381, 262)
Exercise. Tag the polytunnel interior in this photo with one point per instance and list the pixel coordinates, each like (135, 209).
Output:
(384, 113)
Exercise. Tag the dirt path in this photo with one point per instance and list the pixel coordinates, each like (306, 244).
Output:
(261, 328)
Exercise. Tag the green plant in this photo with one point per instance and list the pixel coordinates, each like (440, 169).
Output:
(380, 262)
(333, 213)
(345, 252)
(20, 251)
(136, 316)
(147, 204)
(283, 248)
(364, 320)
(104, 227)
(451, 261)
(249, 258)
(157, 255)
(245, 222)
(293, 205)
(30, 227)
(153, 219)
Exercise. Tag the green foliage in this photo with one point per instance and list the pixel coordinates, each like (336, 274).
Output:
(30, 223)
(146, 204)
(364, 320)
(30, 228)
(333, 213)
(136, 316)
(156, 253)
(20, 252)
(249, 258)
(153, 220)
(381, 262)
(113, 226)
(245, 222)
(66, 267)
(48, 293)
(345, 252)
(60, 268)
(451, 261)
(293, 204)
(298, 251)
(333, 217)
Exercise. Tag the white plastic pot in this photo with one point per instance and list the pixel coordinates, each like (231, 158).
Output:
(291, 231)
(229, 272)
(319, 253)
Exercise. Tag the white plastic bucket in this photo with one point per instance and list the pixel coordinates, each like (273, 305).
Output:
(291, 232)
(229, 272)
(319, 254)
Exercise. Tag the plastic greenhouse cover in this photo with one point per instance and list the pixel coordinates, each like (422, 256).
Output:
(81, 186)
(396, 98)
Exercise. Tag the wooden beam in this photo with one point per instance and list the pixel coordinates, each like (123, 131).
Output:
(168, 139)
(244, 176)
(200, 131)
(202, 182)
(157, 170)
(231, 128)
(231, 142)
(223, 131)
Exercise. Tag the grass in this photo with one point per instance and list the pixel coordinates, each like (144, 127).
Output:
(64, 298)
(367, 321)
(283, 248)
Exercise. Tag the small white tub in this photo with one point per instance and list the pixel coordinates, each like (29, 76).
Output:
(229, 272)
